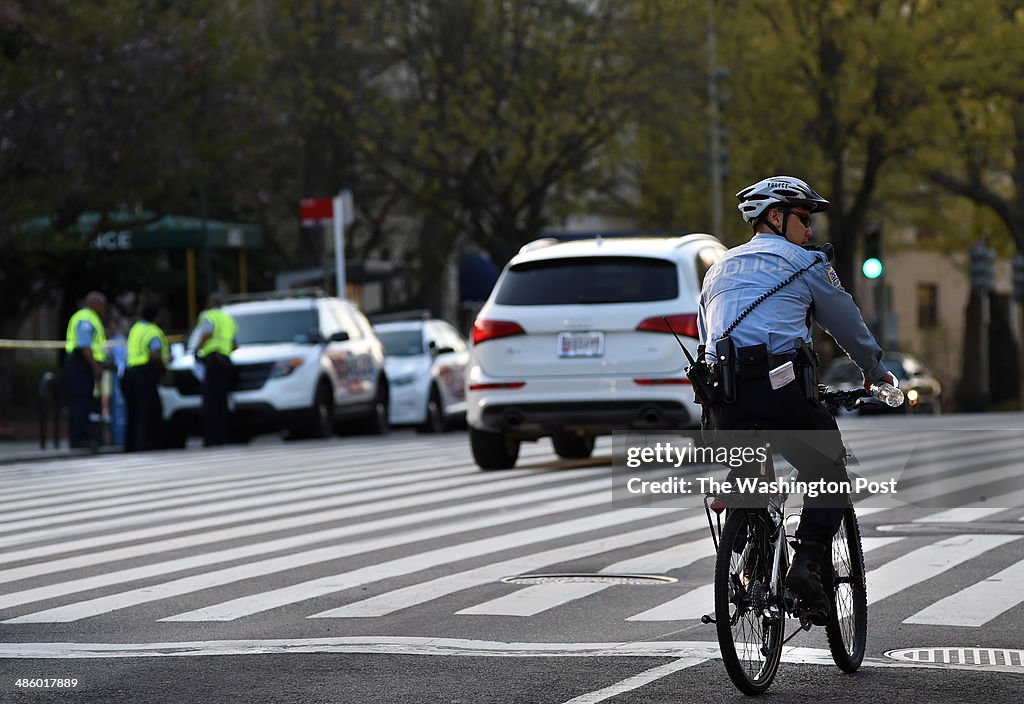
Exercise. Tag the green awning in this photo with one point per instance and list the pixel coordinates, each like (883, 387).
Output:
(180, 232)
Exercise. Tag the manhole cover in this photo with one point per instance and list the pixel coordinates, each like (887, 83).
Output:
(589, 578)
(980, 657)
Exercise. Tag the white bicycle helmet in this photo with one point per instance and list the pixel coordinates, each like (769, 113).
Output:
(778, 190)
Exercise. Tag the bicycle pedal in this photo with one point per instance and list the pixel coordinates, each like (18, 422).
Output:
(707, 618)
(805, 623)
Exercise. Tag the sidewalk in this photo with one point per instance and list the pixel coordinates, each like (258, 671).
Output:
(24, 451)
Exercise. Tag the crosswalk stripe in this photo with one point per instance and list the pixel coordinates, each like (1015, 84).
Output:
(84, 472)
(281, 498)
(283, 484)
(927, 562)
(532, 600)
(307, 590)
(637, 681)
(220, 518)
(248, 605)
(977, 604)
(959, 515)
(79, 500)
(88, 510)
(404, 502)
(701, 600)
(423, 592)
(149, 469)
(936, 454)
(16, 598)
(417, 594)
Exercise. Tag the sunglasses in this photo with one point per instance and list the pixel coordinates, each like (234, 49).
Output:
(804, 218)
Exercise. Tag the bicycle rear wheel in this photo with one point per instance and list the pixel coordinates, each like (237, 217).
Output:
(748, 618)
(848, 624)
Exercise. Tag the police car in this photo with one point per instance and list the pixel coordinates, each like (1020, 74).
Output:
(426, 362)
(572, 344)
(305, 364)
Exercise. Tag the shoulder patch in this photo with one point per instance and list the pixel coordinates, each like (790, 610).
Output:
(833, 278)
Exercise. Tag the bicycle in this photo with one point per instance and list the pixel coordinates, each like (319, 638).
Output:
(751, 600)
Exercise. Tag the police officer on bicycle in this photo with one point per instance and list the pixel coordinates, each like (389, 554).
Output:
(757, 306)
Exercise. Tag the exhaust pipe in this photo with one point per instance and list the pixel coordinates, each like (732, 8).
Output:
(650, 415)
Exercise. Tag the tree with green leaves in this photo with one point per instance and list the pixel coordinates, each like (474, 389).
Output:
(490, 116)
(979, 123)
(114, 108)
(838, 93)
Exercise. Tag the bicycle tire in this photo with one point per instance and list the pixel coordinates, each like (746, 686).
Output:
(847, 626)
(741, 609)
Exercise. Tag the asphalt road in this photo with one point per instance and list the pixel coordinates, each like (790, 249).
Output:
(375, 570)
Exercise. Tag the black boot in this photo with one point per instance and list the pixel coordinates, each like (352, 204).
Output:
(804, 580)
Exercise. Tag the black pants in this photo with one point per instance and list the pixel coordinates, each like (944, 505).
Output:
(219, 378)
(144, 426)
(804, 433)
(80, 383)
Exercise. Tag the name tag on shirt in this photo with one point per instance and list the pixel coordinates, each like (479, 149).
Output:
(781, 375)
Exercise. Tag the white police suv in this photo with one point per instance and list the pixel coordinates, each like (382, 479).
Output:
(308, 365)
(572, 344)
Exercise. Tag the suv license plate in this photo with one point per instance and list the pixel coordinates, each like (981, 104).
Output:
(580, 344)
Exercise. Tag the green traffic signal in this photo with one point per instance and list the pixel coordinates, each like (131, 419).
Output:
(872, 268)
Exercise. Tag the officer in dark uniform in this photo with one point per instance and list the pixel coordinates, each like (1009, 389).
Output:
(147, 359)
(86, 353)
(213, 350)
(755, 341)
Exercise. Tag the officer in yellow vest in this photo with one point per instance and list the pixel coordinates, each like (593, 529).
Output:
(147, 359)
(86, 353)
(216, 342)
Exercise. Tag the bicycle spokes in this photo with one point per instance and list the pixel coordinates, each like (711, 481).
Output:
(747, 604)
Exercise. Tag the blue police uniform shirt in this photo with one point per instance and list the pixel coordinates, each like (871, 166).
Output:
(155, 345)
(746, 272)
(84, 332)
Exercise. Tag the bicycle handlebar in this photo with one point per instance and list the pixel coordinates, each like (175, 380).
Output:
(847, 399)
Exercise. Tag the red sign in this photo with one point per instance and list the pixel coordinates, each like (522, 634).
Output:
(316, 210)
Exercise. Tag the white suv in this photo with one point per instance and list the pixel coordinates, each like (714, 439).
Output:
(426, 366)
(572, 344)
(303, 364)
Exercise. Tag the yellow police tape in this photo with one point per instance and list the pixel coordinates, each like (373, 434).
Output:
(59, 344)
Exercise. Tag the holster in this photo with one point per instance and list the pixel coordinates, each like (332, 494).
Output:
(725, 358)
(807, 360)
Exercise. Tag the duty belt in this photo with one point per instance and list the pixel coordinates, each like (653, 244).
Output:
(753, 362)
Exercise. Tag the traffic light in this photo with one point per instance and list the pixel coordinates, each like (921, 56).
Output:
(1018, 278)
(872, 266)
(982, 266)
(723, 151)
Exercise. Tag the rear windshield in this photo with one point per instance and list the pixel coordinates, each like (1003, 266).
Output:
(589, 280)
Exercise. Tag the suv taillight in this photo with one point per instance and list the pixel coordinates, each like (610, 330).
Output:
(684, 324)
(484, 330)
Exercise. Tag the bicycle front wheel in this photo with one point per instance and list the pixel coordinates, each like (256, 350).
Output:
(748, 611)
(847, 626)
